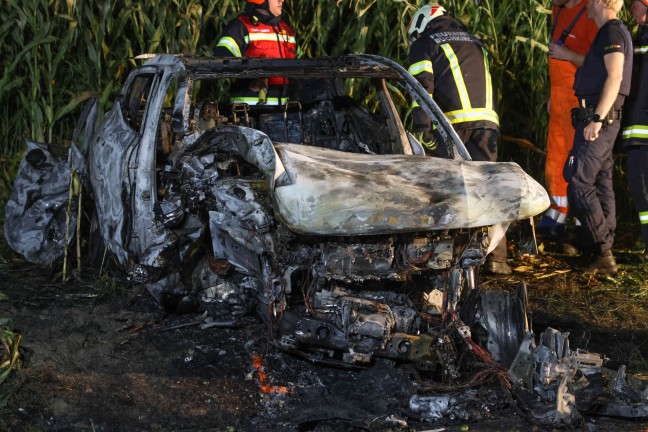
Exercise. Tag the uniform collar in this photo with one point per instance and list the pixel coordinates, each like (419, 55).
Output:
(261, 14)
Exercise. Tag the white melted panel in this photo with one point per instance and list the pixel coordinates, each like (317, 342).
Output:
(338, 193)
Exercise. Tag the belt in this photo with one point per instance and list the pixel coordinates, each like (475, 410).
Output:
(586, 114)
(614, 114)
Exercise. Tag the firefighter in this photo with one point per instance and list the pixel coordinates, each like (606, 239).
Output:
(452, 65)
(571, 36)
(258, 32)
(601, 85)
(635, 121)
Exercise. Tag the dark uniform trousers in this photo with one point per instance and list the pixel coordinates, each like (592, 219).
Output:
(480, 143)
(588, 171)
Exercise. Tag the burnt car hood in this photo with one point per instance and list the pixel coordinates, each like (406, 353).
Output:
(327, 192)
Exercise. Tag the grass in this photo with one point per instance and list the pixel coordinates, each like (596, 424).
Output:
(10, 342)
(610, 308)
(10, 358)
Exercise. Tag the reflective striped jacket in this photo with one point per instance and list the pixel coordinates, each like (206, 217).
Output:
(635, 115)
(452, 65)
(247, 37)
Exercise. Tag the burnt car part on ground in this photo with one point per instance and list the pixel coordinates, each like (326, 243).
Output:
(323, 215)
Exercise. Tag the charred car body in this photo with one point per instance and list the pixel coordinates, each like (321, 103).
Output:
(323, 215)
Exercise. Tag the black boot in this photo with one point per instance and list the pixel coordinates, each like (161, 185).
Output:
(601, 262)
(497, 267)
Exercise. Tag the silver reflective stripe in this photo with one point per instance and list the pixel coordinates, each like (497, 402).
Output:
(640, 49)
(255, 100)
(473, 114)
(420, 67)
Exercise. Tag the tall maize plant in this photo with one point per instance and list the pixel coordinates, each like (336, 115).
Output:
(56, 53)
(60, 50)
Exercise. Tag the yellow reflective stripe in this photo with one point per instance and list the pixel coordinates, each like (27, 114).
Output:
(641, 49)
(473, 114)
(456, 73)
(635, 131)
(416, 104)
(643, 217)
(247, 100)
(276, 101)
(271, 37)
(420, 67)
(255, 100)
(489, 85)
(228, 43)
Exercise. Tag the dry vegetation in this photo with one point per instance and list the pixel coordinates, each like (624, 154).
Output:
(605, 314)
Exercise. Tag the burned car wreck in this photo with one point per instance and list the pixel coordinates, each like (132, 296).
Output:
(323, 216)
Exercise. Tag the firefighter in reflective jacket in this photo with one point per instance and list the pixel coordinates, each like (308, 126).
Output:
(452, 65)
(259, 32)
(635, 121)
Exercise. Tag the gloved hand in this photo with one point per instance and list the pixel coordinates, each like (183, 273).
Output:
(260, 85)
(427, 140)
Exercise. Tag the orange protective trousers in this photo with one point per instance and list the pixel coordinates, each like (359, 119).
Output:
(560, 137)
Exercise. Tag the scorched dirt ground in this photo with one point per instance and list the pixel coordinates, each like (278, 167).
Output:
(98, 356)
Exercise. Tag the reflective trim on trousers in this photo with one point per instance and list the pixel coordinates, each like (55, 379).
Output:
(635, 131)
(255, 101)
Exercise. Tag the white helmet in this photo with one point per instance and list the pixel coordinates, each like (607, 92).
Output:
(421, 19)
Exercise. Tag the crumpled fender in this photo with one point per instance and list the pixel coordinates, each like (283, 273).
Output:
(35, 215)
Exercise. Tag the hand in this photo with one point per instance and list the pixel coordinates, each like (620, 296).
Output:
(258, 84)
(426, 139)
(559, 52)
(591, 131)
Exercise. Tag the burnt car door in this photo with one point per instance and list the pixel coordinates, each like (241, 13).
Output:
(157, 211)
(113, 160)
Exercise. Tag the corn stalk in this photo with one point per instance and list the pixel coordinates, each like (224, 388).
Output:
(10, 341)
(54, 51)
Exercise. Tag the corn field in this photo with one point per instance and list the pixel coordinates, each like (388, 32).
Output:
(58, 53)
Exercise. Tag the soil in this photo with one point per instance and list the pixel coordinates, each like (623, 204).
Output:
(109, 359)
